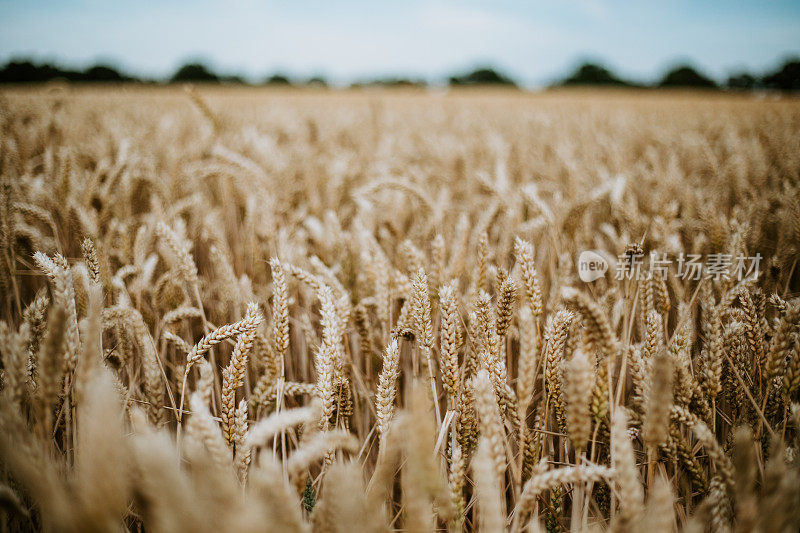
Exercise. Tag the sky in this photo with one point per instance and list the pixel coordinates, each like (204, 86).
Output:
(533, 41)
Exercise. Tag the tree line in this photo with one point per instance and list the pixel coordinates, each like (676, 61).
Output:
(784, 78)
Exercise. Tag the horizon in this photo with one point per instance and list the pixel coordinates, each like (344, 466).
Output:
(534, 44)
(574, 77)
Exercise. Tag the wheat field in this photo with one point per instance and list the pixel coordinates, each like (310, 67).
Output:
(238, 309)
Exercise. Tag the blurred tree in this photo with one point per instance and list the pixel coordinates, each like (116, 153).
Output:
(686, 76)
(233, 79)
(592, 74)
(278, 79)
(787, 78)
(391, 82)
(24, 71)
(103, 73)
(317, 81)
(18, 72)
(482, 76)
(194, 72)
(742, 82)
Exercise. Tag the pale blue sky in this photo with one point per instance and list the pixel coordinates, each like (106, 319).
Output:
(534, 41)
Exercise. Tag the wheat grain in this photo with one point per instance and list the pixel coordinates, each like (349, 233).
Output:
(578, 385)
(387, 387)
